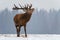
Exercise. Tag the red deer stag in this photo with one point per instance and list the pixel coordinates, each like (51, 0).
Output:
(22, 19)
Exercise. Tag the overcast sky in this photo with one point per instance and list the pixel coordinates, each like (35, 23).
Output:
(46, 4)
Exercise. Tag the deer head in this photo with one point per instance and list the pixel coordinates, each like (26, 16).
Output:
(27, 8)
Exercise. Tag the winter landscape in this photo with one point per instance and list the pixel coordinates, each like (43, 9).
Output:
(30, 37)
(43, 25)
(42, 22)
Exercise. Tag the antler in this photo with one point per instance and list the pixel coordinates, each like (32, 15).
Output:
(17, 8)
(26, 6)
(23, 8)
(20, 5)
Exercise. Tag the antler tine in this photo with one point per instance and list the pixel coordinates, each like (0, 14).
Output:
(27, 5)
(15, 6)
(20, 5)
(30, 6)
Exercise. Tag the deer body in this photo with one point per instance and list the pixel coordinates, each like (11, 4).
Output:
(22, 19)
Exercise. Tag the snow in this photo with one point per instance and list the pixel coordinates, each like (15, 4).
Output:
(30, 37)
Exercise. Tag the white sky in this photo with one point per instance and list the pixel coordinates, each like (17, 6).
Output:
(46, 4)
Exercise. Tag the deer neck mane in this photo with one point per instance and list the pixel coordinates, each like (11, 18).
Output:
(27, 16)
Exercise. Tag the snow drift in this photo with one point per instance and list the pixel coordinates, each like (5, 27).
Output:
(30, 37)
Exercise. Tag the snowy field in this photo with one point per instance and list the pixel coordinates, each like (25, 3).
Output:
(30, 37)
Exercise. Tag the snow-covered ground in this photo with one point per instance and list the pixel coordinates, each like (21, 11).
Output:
(30, 37)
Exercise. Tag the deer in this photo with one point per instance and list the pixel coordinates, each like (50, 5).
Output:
(22, 18)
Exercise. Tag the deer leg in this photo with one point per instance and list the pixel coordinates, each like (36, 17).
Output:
(18, 31)
(25, 30)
